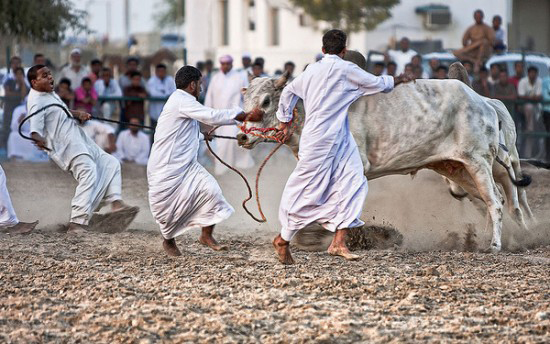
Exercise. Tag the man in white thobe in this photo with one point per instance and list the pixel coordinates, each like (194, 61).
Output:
(107, 87)
(224, 92)
(403, 56)
(56, 130)
(159, 85)
(328, 185)
(133, 145)
(102, 134)
(74, 71)
(182, 194)
(8, 219)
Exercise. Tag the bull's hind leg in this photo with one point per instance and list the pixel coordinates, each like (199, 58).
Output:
(483, 178)
(522, 194)
(511, 192)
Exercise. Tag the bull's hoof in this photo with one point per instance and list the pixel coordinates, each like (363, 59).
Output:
(495, 248)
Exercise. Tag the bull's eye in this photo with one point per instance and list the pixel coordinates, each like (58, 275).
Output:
(266, 102)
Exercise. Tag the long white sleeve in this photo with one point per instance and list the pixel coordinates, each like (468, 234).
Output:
(289, 97)
(195, 110)
(366, 82)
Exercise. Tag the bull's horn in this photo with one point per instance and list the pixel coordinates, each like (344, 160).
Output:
(281, 82)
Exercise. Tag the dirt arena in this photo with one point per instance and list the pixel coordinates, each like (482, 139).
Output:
(425, 278)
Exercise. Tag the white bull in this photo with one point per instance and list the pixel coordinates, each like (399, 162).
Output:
(442, 125)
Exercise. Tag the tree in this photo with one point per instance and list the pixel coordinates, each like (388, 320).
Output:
(349, 15)
(171, 14)
(44, 20)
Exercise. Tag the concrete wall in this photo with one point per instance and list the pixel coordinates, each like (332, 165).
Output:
(530, 25)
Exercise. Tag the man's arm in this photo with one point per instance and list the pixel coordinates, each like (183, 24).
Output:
(466, 37)
(37, 124)
(214, 117)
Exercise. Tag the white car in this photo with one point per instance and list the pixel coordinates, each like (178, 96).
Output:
(541, 61)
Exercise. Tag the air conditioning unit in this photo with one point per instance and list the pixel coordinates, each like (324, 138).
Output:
(436, 17)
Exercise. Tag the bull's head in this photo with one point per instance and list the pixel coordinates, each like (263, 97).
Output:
(263, 93)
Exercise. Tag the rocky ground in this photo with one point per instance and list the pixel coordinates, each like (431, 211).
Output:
(121, 287)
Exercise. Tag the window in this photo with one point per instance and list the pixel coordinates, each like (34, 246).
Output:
(251, 15)
(224, 4)
(274, 21)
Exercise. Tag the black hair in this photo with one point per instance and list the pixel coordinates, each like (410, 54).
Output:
(65, 81)
(132, 59)
(200, 65)
(379, 64)
(86, 79)
(518, 63)
(106, 69)
(259, 60)
(32, 73)
(532, 68)
(96, 61)
(14, 58)
(160, 65)
(19, 69)
(38, 55)
(257, 64)
(483, 69)
(334, 41)
(290, 63)
(479, 11)
(209, 62)
(445, 68)
(497, 65)
(391, 63)
(417, 55)
(134, 73)
(186, 75)
(497, 17)
(467, 61)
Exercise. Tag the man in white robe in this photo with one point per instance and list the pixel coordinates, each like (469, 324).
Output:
(8, 219)
(56, 130)
(328, 185)
(133, 145)
(102, 134)
(224, 92)
(182, 194)
(18, 147)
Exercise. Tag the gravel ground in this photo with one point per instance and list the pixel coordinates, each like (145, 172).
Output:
(122, 288)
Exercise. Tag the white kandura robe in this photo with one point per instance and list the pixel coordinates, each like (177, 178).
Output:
(130, 147)
(8, 217)
(328, 185)
(224, 92)
(182, 194)
(97, 173)
(21, 148)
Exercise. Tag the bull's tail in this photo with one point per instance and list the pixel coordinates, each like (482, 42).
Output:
(523, 182)
(537, 163)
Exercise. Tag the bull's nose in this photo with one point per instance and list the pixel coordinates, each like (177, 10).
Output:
(242, 139)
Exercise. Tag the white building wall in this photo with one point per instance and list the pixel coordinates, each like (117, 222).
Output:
(300, 44)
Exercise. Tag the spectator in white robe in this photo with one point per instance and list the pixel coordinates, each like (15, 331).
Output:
(18, 147)
(74, 71)
(107, 87)
(328, 185)
(133, 145)
(402, 56)
(8, 219)
(159, 85)
(102, 134)
(182, 194)
(55, 129)
(224, 92)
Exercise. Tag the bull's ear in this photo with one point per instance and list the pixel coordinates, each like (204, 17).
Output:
(243, 90)
(281, 82)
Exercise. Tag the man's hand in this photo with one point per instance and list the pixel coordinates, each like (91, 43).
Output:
(39, 141)
(283, 133)
(255, 115)
(81, 115)
(207, 136)
(403, 78)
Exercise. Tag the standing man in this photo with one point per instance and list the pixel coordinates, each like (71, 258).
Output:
(159, 85)
(97, 173)
(224, 92)
(530, 89)
(8, 219)
(402, 56)
(107, 87)
(328, 185)
(182, 194)
(74, 71)
(500, 35)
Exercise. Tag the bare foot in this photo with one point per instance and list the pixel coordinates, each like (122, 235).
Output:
(171, 248)
(75, 228)
(342, 251)
(211, 242)
(282, 247)
(20, 228)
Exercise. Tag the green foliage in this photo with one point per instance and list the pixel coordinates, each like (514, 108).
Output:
(44, 20)
(171, 14)
(349, 15)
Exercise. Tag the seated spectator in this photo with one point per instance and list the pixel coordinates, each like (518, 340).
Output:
(530, 88)
(441, 72)
(378, 68)
(469, 66)
(391, 68)
(135, 108)
(16, 90)
(434, 64)
(546, 112)
(417, 72)
(102, 134)
(65, 92)
(494, 74)
(408, 69)
(478, 42)
(18, 147)
(95, 69)
(85, 97)
(504, 90)
(520, 72)
(482, 85)
(500, 35)
(107, 87)
(132, 64)
(402, 56)
(416, 62)
(159, 85)
(133, 145)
